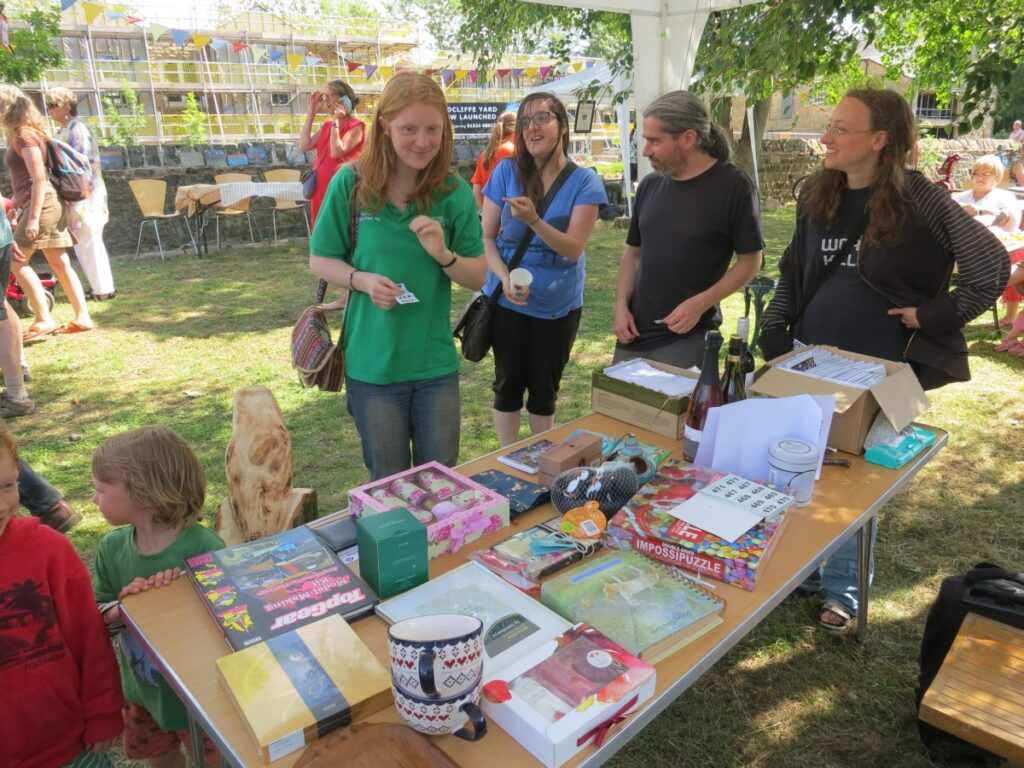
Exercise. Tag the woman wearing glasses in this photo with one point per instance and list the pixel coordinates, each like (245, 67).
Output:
(533, 329)
(889, 296)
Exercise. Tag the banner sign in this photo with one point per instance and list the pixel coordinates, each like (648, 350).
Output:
(471, 118)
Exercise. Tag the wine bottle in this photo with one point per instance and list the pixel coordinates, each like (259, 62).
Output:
(746, 356)
(733, 388)
(706, 394)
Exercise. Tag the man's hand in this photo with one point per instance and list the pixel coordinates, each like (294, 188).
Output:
(908, 316)
(683, 318)
(625, 325)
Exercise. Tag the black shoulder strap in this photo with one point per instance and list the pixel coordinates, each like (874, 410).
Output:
(832, 266)
(528, 235)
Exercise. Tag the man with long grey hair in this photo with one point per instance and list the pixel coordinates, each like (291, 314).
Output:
(689, 218)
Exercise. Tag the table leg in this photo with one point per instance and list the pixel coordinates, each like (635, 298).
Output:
(196, 737)
(865, 535)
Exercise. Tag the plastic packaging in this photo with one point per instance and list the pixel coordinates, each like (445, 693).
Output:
(793, 463)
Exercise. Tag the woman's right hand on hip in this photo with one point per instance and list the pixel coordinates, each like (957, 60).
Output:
(381, 290)
(32, 228)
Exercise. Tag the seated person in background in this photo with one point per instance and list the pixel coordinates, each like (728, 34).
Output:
(150, 483)
(985, 199)
(59, 690)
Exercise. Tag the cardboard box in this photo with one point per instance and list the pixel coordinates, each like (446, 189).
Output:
(555, 741)
(899, 396)
(392, 551)
(294, 688)
(645, 408)
(583, 450)
(454, 509)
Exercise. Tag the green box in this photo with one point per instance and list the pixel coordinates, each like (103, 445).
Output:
(392, 551)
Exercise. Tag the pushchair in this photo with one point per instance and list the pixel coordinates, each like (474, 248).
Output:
(17, 296)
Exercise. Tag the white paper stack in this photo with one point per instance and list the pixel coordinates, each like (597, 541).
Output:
(822, 364)
(643, 374)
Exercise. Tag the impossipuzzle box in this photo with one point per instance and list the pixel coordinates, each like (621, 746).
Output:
(455, 509)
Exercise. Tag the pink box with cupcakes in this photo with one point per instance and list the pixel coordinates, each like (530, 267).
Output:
(454, 509)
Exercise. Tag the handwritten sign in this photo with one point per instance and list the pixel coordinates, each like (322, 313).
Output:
(474, 118)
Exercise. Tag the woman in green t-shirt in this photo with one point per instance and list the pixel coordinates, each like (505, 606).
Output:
(418, 231)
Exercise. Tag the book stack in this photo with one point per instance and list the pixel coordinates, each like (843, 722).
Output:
(264, 588)
(647, 526)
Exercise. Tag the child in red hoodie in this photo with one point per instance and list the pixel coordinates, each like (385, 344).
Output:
(60, 692)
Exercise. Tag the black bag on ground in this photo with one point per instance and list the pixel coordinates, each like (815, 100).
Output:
(989, 591)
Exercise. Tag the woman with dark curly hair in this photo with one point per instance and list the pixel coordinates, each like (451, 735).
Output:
(890, 295)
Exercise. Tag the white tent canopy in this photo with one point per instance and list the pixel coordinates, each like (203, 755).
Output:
(666, 35)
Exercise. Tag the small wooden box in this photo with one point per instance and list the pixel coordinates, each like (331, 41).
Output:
(580, 451)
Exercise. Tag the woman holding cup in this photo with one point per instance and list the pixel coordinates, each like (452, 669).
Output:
(535, 321)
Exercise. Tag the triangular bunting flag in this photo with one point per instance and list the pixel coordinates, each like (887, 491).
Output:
(352, 66)
(313, 60)
(115, 15)
(275, 56)
(294, 59)
(517, 72)
(200, 41)
(65, 4)
(92, 10)
(181, 36)
(219, 42)
(577, 66)
(543, 72)
(459, 74)
(531, 71)
(590, 64)
(473, 75)
(562, 69)
(447, 75)
(369, 69)
(135, 19)
(504, 72)
(387, 72)
(157, 30)
(258, 51)
(236, 47)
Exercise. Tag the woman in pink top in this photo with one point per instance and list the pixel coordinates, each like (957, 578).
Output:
(340, 139)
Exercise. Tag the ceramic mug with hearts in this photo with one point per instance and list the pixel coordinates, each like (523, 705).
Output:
(458, 715)
(436, 657)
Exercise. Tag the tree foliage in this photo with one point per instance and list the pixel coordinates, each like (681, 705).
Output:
(1010, 103)
(32, 48)
(194, 121)
(124, 117)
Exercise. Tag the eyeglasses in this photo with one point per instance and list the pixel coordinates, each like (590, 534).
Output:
(51, 106)
(832, 130)
(537, 118)
(982, 174)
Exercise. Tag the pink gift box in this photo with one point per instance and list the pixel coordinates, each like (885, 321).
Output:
(454, 509)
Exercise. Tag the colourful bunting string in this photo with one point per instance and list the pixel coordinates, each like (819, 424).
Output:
(135, 20)
(352, 66)
(387, 72)
(473, 75)
(236, 47)
(115, 15)
(258, 52)
(199, 40)
(532, 71)
(180, 36)
(504, 72)
(542, 71)
(65, 4)
(517, 72)
(447, 75)
(312, 60)
(295, 59)
(219, 42)
(369, 69)
(275, 56)
(157, 31)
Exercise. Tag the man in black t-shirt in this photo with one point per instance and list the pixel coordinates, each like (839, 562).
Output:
(689, 218)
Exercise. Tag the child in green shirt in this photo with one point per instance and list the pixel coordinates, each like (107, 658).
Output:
(148, 481)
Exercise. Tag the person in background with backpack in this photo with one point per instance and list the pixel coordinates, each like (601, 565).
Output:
(41, 220)
(89, 216)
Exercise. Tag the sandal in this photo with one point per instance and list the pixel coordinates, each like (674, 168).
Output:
(34, 331)
(74, 327)
(1006, 345)
(835, 617)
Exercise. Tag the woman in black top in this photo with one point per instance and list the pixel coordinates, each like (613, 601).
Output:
(890, 296)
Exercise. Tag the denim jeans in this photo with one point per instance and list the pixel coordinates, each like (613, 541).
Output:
(389, 417)
(37, 495)
(837, 577)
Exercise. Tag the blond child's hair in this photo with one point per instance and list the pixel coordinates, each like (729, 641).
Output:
(7, 442)
(160, 471)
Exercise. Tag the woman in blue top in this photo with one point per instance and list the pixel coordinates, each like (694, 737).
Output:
(533, 329)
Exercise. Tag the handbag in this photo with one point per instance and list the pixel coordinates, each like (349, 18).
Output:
(319, 361)
(308, 180)
(473, 328)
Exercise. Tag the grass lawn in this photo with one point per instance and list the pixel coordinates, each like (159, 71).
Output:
(185, 334)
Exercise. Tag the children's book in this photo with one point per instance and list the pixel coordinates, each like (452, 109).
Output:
(263, 588)
(527, 458)
(649, 525)
(650, 609)
(522, 495)
(299, 686)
